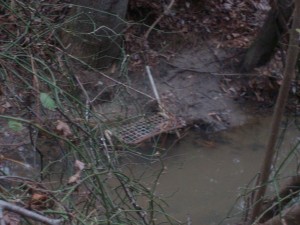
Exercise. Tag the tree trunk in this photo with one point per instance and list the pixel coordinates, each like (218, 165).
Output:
(289, 74)
(94, 33)
(262, 49)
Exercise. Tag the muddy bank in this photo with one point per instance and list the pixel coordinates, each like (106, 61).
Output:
(189, 88)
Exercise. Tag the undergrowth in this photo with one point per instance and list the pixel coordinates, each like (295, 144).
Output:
(78, 175)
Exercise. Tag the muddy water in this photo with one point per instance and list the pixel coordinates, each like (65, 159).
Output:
(204, 177)
(205, 180)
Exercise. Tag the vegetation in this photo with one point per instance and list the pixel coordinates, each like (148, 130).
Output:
(77, 177)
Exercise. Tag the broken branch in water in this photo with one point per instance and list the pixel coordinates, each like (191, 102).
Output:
(25, 212)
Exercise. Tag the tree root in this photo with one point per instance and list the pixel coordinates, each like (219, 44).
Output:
(290, 216)
(290, 190)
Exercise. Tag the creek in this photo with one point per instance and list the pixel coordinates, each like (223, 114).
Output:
(203, 179)
(203, 176)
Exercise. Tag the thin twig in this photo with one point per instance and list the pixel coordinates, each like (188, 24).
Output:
(139, 210)
(87, 98)
(36, 85)
(166, 11)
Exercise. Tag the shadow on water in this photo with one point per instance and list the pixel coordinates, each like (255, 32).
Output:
(204, 177)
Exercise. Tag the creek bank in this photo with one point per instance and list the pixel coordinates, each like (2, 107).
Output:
(189, 88)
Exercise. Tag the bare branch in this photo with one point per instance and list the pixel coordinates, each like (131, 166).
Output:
(27, 213)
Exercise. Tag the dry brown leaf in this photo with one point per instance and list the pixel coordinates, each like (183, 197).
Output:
(63, 128)
(79, 166)
(7, 105)
(39, 197)
(75, 178)
(40, 201)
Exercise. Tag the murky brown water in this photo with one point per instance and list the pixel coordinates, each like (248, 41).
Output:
(204, 179)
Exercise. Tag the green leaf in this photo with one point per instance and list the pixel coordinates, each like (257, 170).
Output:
(47, 101)
(15, 125)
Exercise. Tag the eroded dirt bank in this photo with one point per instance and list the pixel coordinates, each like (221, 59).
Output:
(189, 86)
(192, 66)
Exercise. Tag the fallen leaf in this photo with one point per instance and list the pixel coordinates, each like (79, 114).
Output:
(40, 201)
(79, 165)
(38, 197)
(63, 128)
(47, 101)
(75, 178)
(15, 125)
(7, 105)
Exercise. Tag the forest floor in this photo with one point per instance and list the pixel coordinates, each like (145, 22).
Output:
(194, 54)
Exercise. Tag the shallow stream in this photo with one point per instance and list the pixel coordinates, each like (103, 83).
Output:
(203, 179)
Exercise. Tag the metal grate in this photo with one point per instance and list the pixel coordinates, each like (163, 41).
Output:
(146, 127)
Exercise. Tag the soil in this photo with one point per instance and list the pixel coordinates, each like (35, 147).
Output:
(195, 67)
(193, 54)
(189, 88)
